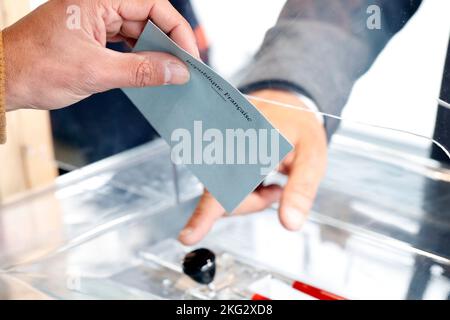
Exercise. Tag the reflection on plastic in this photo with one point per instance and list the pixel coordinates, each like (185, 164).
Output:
(357, 122)
(444, 104)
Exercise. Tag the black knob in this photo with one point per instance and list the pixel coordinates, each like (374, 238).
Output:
(200, 265)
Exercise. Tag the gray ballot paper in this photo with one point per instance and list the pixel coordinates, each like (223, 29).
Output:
(211, 127)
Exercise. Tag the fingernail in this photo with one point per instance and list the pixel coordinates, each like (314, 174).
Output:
(185, 232)
(295, 218)
(176, 73)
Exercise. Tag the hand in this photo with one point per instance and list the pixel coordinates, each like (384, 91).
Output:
(305, 167)
(49, 65)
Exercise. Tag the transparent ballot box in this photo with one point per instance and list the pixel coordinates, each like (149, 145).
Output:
(379, 229)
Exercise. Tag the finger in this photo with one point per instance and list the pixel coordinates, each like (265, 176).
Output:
(130, 42)
(299, 193)
(120, 70)
(132, 29)
(165, 16)
(286, 163)
(207, 212)
(259, 200)
(116, 38)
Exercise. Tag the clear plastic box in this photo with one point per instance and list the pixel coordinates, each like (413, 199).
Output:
(380, 229)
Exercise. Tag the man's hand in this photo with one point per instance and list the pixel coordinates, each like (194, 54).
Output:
(305, 167)
(52, 64)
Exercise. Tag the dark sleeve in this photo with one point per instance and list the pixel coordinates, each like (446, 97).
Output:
(321, 47)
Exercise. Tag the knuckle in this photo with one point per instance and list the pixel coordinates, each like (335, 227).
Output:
(146, 73)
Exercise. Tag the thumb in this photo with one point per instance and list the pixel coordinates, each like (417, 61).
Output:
(143, 69)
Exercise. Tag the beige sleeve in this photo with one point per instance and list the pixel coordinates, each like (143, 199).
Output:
(2, 93)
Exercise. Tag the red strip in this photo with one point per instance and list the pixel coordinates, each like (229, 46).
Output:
(259, 297)
(315, 292)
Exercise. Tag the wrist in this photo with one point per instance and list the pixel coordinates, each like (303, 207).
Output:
(302, 106)
(2, 93)
(290, 121)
